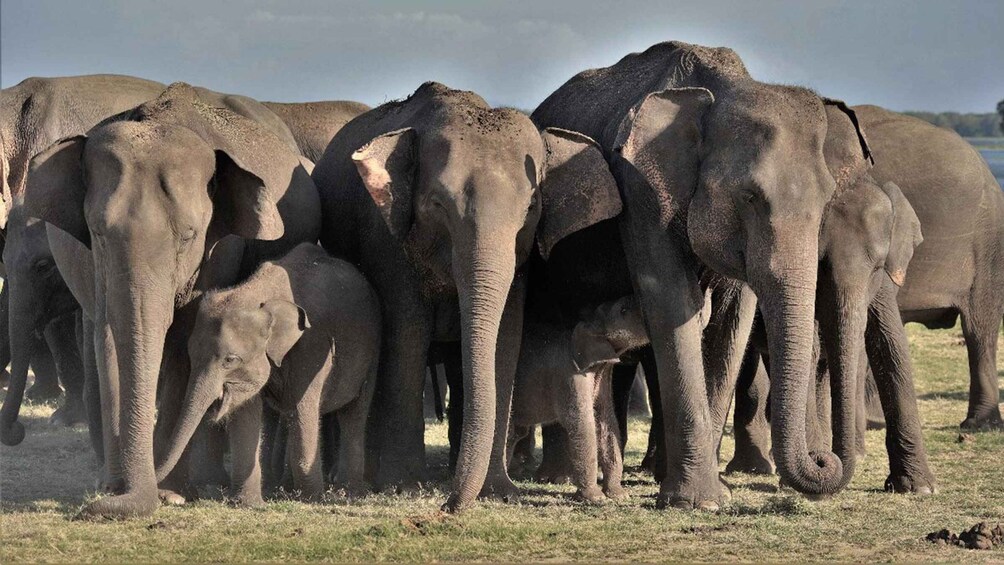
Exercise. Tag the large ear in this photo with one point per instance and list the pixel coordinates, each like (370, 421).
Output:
(590, 349)
(577, 190)
(288, 321)
(660, 137)
(388, 167)
(846, 148)
(242, 202)
(55, 188)
(906, 234)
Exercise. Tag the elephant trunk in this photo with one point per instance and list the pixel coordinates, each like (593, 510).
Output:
(785, 284)
(24, 315)
(199, 397)
(484, 272)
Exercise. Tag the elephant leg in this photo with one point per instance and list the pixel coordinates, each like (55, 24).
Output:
(520, 456)
(579, 422)
(497, 483)
(244, 431)
(889, 355)
(980, 328)
(398, 402)
(873, 404)
(61, 337)
(5, 355)
(109, 392)
(46, 385)
(269, 428)
(305, 450)
(655, 453)
(454, 370)
(608, 438)
(330, 433)
(517, 435)
(554, 466)
(623, 382)
(352, 439)
(860, 416)
(752, 431)
(724, 344)
(92, 390)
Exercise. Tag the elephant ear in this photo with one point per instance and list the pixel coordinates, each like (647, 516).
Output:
(55, 188)
(906, 234)
(387, 166)
(845, 148)
(286, 324)
(578, 189)
(241, 201)
(659, 137)
(590, 349)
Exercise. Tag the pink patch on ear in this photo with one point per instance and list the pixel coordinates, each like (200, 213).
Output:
(898, 276)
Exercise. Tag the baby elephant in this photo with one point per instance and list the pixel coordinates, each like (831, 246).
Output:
(304, 332)
(563, 376)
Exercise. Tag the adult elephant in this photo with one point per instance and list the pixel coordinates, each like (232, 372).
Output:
(958, 271)
(168, 198)
(436, 199)
(715, 169)
(314, 124)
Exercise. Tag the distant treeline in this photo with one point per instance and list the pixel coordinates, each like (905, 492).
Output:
(967, 125)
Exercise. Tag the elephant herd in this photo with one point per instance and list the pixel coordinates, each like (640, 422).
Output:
(202, 270)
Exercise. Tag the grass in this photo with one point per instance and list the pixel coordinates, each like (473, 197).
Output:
(44, 482)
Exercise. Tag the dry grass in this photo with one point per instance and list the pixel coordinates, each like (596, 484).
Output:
(44, 481)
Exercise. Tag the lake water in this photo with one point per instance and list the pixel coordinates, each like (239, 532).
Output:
(992, 149)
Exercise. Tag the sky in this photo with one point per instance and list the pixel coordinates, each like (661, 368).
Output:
(933, 55)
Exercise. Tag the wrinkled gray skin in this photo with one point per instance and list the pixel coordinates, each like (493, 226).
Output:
(717, 169)
(868, 238)
(313, 124)
(39, 298)
(157, 195)
(435, 199)
(304, 333)
(958, 271)
(564, 377)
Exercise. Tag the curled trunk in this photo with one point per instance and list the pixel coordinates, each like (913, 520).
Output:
(484, 273)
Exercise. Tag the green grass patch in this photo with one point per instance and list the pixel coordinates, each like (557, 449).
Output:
(44, 482)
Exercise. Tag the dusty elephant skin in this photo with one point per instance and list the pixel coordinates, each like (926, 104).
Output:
(436, 199)
(958, 271)
(313, 124)
(718, 169)
(304, 331)
(37, 112)
(158, 195)
(564, 376)
(39, 298)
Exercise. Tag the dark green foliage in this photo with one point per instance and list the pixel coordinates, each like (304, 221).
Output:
(966, 125)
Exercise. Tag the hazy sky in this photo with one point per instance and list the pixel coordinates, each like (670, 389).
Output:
(906, 55)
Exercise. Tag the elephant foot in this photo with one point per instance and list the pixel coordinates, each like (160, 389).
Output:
(171, 498)
(249, 500)
(42, 392)
(109, 485)
(351, 489)
(750, 463)
(500, 488)
(12, 435)
(708, 495)
(400, 479)
(988, 421)
(590, 495)
(69, 414)
(615, 492)
(119, 507)
(4, 378)
(922, 483)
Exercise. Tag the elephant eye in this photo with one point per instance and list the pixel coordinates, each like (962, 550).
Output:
(43, 265)
(188, 235)
(232, 360)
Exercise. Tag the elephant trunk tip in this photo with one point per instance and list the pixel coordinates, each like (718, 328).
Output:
(821, 474)
(12, 433)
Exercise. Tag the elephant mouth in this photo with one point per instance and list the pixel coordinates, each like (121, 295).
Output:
(215, 411)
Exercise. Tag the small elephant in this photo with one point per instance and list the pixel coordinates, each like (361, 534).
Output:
(564, 376)
(304, 332)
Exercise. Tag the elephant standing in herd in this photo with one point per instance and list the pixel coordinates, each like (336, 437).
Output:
(155, 251)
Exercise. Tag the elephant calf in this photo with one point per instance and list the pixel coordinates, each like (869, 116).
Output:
(304, 331)
(564, 376)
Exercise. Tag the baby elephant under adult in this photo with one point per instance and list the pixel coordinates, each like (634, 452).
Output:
(564, 376)
(304, 333)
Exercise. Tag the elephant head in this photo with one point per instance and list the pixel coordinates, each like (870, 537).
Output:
(232, 350)
(153, 193)
(744, 173)
(869, 234)
(460, 189)
(610, 330)
(37, 295)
